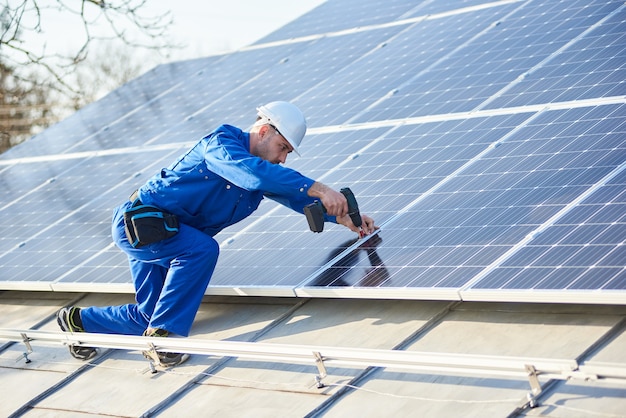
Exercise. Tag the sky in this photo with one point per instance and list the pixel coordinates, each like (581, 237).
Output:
(203, 27)
(218, 26)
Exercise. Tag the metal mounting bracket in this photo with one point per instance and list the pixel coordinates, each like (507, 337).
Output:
(321, 368)
(535, 386)
(29, 348)
(153, 358)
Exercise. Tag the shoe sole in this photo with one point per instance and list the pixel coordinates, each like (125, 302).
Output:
(63, 322)
(150, 355)
(91, 353)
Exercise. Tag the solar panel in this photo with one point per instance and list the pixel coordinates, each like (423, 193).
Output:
(486, 138)
(390, 71)
(334, 16)
(498, 54)
(582, 250)
(467, 222)
(591, 66)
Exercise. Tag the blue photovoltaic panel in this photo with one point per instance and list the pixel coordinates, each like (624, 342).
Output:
(486, 138)
(594, 66)
(179, 114)
(96, 126)
(497, 57)
(374, 76)
(64, 219)
(166, 114)
(333, 16)
(469, 221)
(296, 73)
(585, 248)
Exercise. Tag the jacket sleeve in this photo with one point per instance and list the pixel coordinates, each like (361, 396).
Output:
(227, 156)
(297, 203)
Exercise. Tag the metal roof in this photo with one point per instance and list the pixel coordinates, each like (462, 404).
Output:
(453, 359)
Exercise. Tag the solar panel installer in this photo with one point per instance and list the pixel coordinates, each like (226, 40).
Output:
(167, 226)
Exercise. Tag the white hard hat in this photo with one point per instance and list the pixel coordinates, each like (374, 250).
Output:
(287, 119)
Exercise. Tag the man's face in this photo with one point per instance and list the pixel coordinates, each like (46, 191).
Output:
(272, 146)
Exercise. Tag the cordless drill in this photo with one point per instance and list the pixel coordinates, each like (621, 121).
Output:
(315, 212)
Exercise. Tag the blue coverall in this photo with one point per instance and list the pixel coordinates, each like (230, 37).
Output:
(215, 184)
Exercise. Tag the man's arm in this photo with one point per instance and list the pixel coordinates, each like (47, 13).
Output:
(334, 202)
(226, 156)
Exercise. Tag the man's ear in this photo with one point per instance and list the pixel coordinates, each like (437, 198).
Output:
(263, 130)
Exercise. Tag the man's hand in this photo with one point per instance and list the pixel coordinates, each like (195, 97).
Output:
(334, 202)
(337, 205)
(367, 227)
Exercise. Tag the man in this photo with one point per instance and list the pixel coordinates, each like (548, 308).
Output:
(167, 226)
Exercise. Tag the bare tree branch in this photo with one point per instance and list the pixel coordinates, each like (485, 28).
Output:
(130, 22)
(40, 81)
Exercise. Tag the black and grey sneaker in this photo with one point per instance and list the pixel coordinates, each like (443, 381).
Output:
(69, 321)
(160, 358)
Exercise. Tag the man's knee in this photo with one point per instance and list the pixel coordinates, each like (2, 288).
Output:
(211, 248)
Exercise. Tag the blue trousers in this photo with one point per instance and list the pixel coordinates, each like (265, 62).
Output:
(170, 279)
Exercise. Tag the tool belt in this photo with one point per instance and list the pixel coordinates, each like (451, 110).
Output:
(146, 224)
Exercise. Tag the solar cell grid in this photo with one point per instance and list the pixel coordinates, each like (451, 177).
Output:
(296, 73)
(99, 273)
(582, 250)
(487, 212)
(412, 159)
(68, 219)
(341, 97)
(179, 114)
(94, 126)
(592, 67)
(463, 80)
(51, 141)
(332, 16)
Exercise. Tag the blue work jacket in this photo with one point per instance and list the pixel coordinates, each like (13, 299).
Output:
(218, 183)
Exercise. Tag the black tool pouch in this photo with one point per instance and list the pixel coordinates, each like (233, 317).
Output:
(147, 224)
